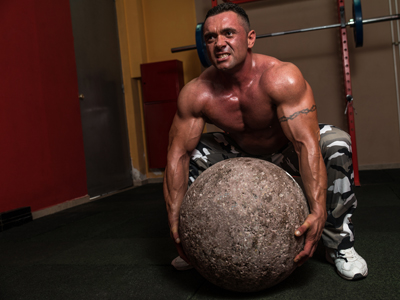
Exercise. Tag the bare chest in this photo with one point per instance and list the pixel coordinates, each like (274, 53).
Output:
(250, 111)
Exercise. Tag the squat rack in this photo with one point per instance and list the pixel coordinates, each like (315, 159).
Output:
(347, 84)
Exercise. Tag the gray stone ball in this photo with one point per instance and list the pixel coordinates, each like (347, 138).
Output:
(237, 224)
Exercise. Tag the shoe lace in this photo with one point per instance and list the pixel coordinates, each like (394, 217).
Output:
(344, 254)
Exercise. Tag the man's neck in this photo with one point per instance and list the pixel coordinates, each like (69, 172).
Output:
(241, 76)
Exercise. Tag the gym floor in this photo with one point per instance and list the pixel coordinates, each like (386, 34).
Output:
(118, 247)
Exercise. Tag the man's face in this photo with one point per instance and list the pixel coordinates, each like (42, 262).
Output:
(226, 40)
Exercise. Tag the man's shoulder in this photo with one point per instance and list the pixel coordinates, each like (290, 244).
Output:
(194, 96)
(281, 80)
(276, 73)
(199, 88)
(272, 67)
(195, 88)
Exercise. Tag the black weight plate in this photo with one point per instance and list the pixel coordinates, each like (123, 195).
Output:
(358, 23)
(201, 46)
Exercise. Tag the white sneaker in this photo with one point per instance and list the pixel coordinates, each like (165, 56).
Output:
(349, 264)
(181, 265)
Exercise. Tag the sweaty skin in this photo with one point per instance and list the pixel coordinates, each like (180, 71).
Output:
(263, 103)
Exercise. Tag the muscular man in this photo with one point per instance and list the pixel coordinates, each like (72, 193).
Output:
(267, 110)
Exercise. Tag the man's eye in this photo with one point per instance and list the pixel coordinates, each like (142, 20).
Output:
(229, 33)
(209, 38)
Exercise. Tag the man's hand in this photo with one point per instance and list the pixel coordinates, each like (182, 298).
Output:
(173, 220)
(312, 227)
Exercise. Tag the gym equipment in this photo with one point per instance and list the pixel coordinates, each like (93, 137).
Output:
(201, 46)
(237, 224)
(348, 94)
(356, 23)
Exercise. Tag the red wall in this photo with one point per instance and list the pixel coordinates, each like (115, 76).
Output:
(41, 146)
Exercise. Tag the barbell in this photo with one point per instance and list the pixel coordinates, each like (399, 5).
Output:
(356, 23)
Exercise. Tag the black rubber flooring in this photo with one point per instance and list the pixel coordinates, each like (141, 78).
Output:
(119, 248)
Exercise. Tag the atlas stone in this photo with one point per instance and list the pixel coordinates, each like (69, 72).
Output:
(237, 224)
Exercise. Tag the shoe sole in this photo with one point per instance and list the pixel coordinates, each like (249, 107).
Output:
(356, 277)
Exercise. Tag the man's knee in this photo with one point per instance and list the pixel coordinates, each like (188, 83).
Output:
(212, 148)
(334, 142)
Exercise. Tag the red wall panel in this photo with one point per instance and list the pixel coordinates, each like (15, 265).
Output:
(158, 120)
(41, 154)
(161, 84)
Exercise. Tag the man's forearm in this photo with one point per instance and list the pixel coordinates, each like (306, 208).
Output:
(175, 186)
(313, 174)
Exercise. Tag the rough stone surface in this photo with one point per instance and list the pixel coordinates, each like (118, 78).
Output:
(237, 224)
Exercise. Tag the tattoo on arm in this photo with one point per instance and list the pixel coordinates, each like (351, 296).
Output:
(297, 113)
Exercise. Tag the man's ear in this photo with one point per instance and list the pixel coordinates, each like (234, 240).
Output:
(251, 39)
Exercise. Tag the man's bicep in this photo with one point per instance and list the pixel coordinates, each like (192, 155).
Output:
(185, 133)
(298, 118)
(188, 123)
(294, 100)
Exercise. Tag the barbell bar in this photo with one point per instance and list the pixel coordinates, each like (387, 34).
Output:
(351, 23)
(356, 23)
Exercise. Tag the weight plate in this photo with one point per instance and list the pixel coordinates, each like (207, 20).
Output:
(358, 23)
(201, 46)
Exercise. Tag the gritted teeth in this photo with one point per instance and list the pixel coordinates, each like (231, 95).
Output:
(222, 55)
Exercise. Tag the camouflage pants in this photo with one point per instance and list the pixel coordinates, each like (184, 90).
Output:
(335, 146)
